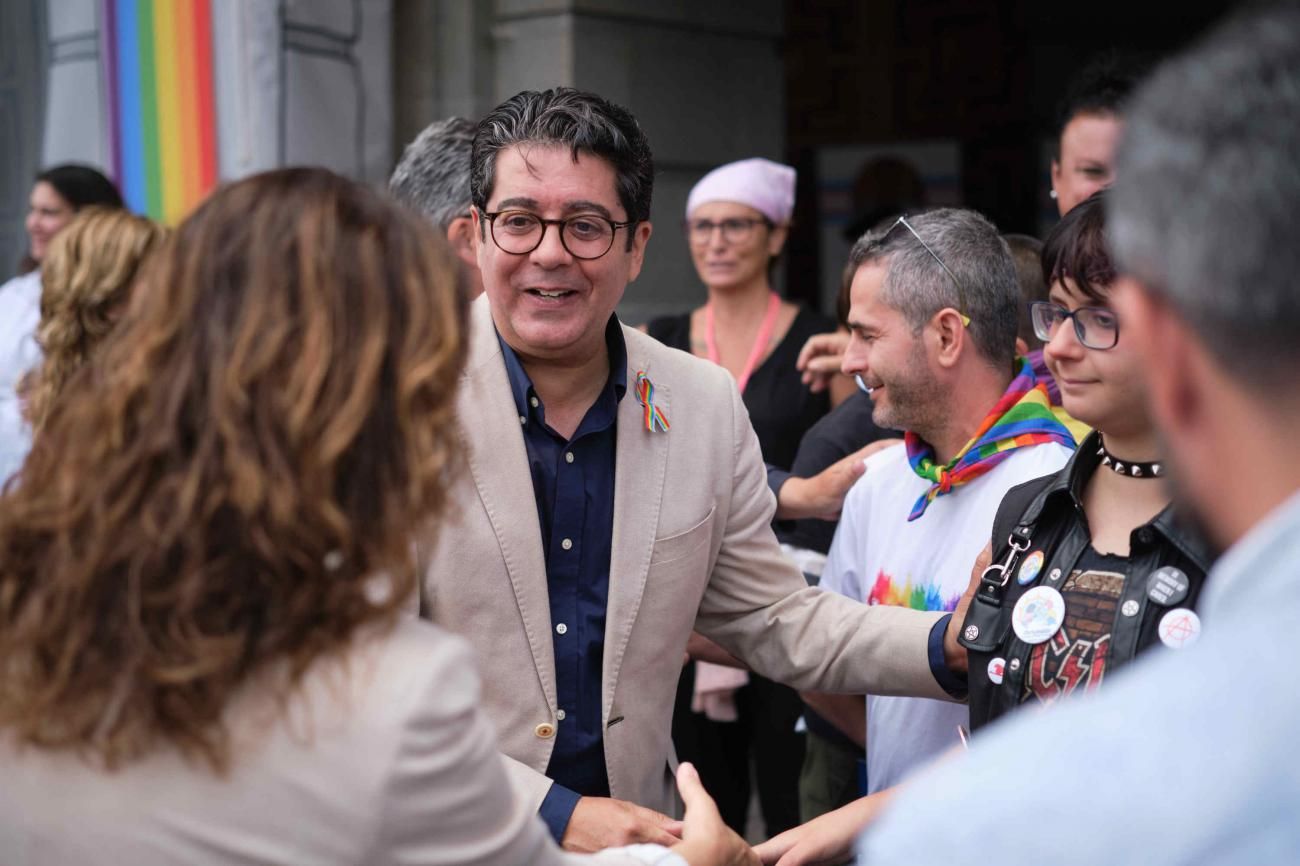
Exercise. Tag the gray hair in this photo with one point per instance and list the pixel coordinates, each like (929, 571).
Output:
(580, 121)
(432, 176)
(979, 259)
(1205, 210)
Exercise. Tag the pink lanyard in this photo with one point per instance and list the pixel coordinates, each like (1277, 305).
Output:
(760, 341)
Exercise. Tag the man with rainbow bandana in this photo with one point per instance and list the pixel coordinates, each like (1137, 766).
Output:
(933, 318)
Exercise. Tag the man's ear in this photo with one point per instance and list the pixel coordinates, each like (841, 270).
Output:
(1022, 348)
(949, 337)
(640, 237)
(462, 234)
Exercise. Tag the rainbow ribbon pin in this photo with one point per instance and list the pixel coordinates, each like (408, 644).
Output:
(645, 395)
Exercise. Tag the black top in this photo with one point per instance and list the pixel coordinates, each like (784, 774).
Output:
(781, 407)
(1113, 605)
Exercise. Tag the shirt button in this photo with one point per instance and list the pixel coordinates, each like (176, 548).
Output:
(567, 544)
(568, 456)
(1144, 535)
(559, 714)
(544, 730)
(523, 420)
(534, 402)
(561, 628)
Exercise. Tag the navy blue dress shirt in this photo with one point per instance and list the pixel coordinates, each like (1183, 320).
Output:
(573, 483)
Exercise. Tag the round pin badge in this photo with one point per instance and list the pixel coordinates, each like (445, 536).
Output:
(1038, 614)
(1179, 628)
(997, 667)
(1030, 568)
(1167, 586)
(1130, 608)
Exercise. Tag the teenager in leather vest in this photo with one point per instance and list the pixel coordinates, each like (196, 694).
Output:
(1092, 565)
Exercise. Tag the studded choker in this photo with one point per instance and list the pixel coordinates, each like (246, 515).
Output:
(1128, 468)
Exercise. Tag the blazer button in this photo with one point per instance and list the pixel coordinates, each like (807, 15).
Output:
(545, 730)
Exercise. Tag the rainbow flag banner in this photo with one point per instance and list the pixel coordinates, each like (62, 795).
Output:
(161, 105)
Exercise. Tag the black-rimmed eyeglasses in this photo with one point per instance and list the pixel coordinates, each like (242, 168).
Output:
(586, 236)
(1096, 327)
(961, 294)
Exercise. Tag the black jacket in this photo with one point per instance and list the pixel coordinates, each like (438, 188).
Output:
(1047, 515)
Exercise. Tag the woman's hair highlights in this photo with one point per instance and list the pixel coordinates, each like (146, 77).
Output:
(85, 282)
(232, 485)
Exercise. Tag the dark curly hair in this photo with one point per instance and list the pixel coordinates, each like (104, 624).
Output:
(575, 119)
(232, 485)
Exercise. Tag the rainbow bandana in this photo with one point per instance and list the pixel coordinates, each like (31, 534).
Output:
(1022, 417)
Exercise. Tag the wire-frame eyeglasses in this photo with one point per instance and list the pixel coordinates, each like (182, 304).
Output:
(961, 294)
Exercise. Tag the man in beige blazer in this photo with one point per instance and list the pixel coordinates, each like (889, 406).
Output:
(670, 494)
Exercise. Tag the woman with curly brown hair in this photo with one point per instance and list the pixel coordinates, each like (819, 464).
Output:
(86, 280)
(204, 564)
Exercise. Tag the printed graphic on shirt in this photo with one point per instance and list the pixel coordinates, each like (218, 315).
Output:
(923, 596)
(1075, 657)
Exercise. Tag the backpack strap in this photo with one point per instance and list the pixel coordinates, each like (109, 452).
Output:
(984, 628)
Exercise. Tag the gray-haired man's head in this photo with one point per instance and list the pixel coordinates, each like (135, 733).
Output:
(980, 280)
(432, 178)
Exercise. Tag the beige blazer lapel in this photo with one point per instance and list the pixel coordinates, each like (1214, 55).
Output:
(498, 463)
(641, 458)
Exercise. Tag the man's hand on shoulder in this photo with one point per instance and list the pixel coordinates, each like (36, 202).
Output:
(598, 823)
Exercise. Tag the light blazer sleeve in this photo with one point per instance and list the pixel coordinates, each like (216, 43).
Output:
(529, 785)
(448, 799)
(758, 606)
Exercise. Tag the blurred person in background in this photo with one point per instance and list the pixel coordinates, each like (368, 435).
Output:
(203, 569)
(56, 196)
(86, 283)
(733, 725)
(432, 177)
(1089, 122)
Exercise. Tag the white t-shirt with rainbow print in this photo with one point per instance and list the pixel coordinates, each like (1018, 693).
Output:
(880, 558)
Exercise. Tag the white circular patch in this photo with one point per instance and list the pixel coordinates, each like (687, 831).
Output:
(1038, 614)
(997, 667)
(1179, 628)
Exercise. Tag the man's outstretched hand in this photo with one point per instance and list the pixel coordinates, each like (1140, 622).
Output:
(706, 840)
(598, 823)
